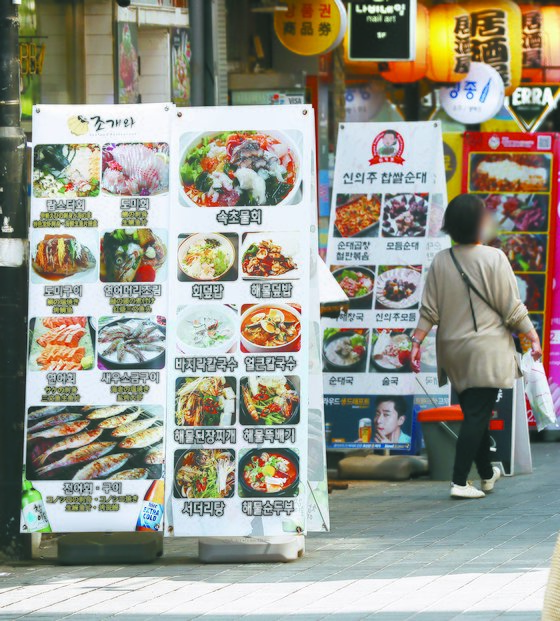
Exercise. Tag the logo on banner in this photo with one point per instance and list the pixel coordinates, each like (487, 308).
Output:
(80, 125)
(387, 148)
(530, 105)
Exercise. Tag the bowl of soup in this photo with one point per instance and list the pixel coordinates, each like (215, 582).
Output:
(270, 328)
(269, 472)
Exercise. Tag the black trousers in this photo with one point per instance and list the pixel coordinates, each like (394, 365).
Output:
(473, 444)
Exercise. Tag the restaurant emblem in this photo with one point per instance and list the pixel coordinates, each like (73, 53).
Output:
(387, 148)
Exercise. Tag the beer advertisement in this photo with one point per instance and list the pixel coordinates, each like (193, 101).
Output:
(389, 196)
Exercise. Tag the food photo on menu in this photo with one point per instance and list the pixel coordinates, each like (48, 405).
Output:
(81, 443)
(357, 215)
(207, 257)
(398, 287)
(269, 328)
(66, 170)
(61, 343)
(526, 252)
(405, 215)
(135, 169)
(268, 473)
(345, 350)
(244, 168)
(357, 282)
(204, 473)
(510, 172)
(205, 401)
(518, 212)
(269, 400)
(131, 342)
(532, 289)
(269, 256)
(133, 255)
(387, 421)
(207, 329)
(391, 352)
(64, 257)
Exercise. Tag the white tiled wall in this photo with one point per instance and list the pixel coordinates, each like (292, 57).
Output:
(153, 47)
(99, 47)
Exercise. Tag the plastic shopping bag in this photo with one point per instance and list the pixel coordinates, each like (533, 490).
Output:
(538, 391)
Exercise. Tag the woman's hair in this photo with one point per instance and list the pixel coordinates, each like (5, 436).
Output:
(463, 218)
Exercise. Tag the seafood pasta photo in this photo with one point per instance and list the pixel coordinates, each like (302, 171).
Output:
(61, 343)
(239, 168)
(135, 169)
(81, 443)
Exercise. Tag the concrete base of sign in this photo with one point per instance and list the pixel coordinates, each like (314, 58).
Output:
(251, 549)
(106, 548)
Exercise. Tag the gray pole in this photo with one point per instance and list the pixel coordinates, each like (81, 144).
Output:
(196, 21)
(13, 283)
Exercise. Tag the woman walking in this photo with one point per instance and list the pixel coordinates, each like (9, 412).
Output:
(471, 295)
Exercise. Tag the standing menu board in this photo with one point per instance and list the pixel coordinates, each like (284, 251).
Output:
(389, 196)
(239, 320)
(96, 387)
(515, 175)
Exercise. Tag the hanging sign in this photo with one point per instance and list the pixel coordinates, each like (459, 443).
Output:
(477, 98)
(96, 374)
(531, 104)
(180, 47)
(389, 197)
(381, 31)
(311, 27)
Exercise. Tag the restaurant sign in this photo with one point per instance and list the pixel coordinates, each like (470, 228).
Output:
(382, 31)
(530, 105)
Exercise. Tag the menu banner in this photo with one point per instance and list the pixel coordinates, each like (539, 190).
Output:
(96, 388)
(515, 175)
(239, 321)
(389, 196)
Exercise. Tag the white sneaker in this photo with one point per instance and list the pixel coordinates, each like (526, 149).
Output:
(487, 485)
(467, 491)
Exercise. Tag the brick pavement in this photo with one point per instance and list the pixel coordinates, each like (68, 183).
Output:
(397, 552)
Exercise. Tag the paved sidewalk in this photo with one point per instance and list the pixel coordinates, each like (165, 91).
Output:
(396, 552)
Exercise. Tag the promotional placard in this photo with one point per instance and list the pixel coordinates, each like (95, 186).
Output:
(96, 387)
(389, 196)
(239, 321)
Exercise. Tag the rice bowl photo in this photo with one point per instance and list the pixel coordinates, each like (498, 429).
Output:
(206, 257)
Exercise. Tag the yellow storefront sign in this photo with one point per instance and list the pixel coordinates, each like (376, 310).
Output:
(453, 159)
(311, 27)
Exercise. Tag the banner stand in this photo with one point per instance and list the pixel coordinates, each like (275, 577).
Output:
(251, 549)
(107, 548)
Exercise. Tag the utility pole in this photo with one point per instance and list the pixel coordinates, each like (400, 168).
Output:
(13, 283)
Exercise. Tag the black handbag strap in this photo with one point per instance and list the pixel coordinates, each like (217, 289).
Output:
(470, 287)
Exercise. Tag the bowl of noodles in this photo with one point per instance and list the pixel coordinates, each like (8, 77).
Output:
(240, 169)
(271, 328)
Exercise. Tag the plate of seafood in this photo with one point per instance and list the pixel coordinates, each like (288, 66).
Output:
(82, 443)
(64, 257)
(131, 343)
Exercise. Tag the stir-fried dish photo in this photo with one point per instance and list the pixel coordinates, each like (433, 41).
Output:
(242, 168)
(204, 473)
(205, 401)
(269, 400)
(266, 259)
(357, 214)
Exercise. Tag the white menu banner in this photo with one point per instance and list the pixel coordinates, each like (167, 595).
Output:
(389, 196)
(99, 259)
(239, 321)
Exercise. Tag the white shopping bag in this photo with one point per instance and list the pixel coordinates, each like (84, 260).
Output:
(538, 391)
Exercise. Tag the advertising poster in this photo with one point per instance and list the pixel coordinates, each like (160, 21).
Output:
(128, 70)
(96, 380)
(515, 175)
(239, 321)
(180, 66)
(389, 196)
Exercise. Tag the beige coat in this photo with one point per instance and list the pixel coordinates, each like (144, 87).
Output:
(483, 359)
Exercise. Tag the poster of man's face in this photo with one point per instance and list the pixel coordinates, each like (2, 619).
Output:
(392, 418)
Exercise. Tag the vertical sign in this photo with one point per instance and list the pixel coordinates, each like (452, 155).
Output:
(97, 319)
(180, 66)
(127, 76)
(388, 201)
(239, 321)
(515, 175)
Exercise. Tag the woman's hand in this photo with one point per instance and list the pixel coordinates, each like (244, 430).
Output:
(536, 350)
(415, 357)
